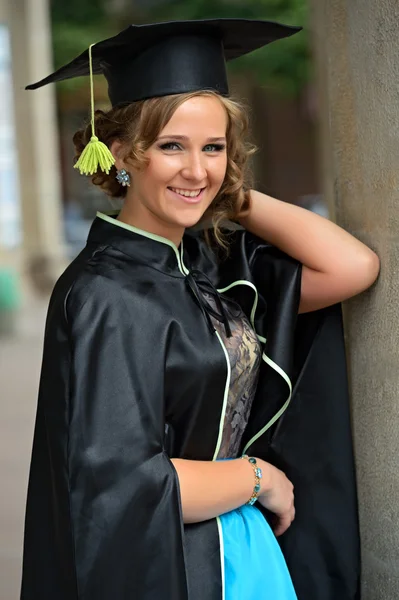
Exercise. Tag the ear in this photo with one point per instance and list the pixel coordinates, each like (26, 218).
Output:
(116, 150)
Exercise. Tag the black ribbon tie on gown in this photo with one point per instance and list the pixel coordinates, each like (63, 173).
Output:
(198, 283)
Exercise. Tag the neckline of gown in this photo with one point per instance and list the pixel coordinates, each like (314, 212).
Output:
(161, 254)
(154, 250)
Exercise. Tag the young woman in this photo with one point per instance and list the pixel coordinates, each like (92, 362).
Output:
(168, 353)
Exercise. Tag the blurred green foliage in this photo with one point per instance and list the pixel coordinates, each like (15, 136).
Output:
(75, 25)
(284, 65)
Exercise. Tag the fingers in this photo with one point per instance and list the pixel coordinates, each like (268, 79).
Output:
(283, 522)
(282, 525)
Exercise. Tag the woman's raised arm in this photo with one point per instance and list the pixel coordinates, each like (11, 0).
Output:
(336, 265)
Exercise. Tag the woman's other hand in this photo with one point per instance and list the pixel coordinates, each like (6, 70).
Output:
(277, 495)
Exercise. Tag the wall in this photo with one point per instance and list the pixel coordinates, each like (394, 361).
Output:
(357, 46)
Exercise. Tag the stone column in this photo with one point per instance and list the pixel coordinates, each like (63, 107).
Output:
(37, 138)
(357, 51)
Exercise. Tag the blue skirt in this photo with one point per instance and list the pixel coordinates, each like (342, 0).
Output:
(254, 566)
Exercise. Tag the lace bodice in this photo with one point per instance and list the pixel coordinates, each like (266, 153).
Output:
(244, 353)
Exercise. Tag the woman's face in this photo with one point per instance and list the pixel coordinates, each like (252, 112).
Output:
(187, 166)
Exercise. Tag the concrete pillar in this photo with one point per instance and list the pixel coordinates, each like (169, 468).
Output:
(357, 50)
(6, 153)
(37, 138)
(10, 230)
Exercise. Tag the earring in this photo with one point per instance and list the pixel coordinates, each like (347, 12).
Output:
(123, 177)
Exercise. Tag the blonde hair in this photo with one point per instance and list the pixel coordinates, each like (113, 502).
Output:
(138, 125)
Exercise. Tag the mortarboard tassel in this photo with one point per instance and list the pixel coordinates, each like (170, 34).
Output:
(96, 154)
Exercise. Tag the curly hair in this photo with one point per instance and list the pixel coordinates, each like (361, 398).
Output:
(137, 126)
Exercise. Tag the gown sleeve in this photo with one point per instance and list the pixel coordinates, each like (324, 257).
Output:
(125, 513)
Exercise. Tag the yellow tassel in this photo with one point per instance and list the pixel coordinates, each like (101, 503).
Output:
(95, 155)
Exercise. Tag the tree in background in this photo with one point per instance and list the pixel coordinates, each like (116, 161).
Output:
(75, 25)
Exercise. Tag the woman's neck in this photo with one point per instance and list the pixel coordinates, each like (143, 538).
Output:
(151, 224)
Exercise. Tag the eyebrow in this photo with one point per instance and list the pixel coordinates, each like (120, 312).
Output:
(185, 138)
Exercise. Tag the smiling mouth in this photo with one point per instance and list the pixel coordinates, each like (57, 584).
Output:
(187, 193)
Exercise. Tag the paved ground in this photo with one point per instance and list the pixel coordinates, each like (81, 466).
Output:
(20, 358)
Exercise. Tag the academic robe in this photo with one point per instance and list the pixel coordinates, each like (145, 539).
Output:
(133, 375)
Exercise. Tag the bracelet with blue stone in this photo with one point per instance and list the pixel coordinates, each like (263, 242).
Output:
(258, 477)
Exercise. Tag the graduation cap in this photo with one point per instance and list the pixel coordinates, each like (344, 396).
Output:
(159, 59)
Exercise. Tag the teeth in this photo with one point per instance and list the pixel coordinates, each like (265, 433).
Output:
(188, 193)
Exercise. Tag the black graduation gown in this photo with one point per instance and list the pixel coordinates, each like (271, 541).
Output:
(133, 375)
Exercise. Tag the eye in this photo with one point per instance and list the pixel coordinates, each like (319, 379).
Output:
(170, 146)
(214, 147)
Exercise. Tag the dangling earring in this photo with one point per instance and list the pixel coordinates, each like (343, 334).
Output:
(123, 177)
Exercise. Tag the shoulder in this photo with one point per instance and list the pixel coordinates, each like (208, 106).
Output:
(90, 281)
(242, 246)
(95, 288)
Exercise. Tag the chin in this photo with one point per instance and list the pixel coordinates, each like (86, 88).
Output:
(191, 222)
(188, 220)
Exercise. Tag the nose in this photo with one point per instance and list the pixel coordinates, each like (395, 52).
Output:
(194, 167)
